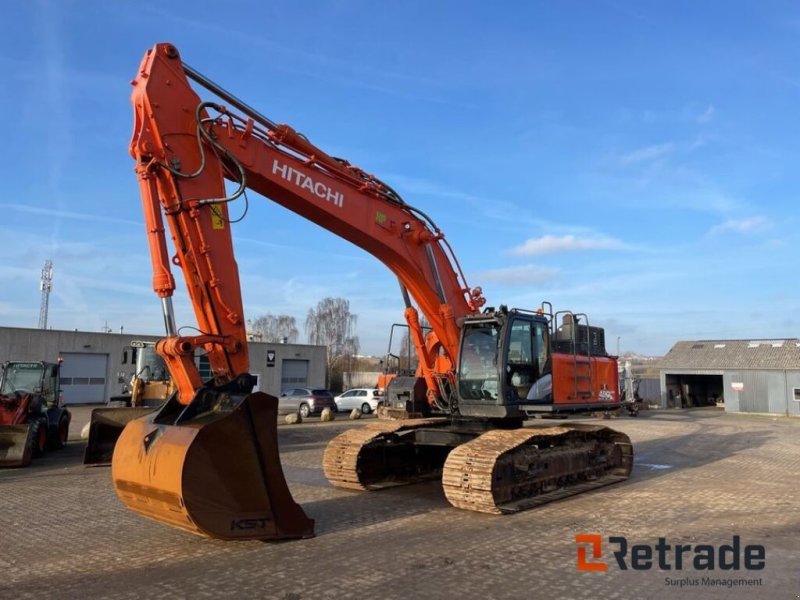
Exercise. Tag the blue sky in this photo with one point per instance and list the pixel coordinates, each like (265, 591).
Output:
(636, 161)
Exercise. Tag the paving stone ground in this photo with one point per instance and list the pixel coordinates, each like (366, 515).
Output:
(700, 477)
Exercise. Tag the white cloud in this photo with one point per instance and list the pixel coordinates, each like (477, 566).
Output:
(748, 225)
(59, 213)
(523, 275)
(648, 153)
(707, 114)
(550, 244)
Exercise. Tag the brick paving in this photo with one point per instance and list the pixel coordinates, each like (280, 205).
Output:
(700, 476)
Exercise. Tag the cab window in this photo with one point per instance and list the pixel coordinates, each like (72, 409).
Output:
(520, 373)
(478, 366)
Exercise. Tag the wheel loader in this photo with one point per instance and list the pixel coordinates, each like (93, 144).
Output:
(32, 416)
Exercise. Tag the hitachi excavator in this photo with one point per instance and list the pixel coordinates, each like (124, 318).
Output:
(208, 461)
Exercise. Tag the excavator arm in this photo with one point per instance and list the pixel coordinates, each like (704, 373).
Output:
(185, 148)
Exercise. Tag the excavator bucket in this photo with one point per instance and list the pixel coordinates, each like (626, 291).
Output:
(105, 427)
(16, 450)
(211, 467)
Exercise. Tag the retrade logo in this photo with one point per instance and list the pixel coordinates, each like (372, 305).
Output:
(596, 542)
(665, 556)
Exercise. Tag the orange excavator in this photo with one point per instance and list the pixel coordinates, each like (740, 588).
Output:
(208, 460)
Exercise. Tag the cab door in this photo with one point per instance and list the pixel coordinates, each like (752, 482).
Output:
(527, 356)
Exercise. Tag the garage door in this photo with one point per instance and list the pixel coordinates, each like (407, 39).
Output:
(294, 373)
(83, 378)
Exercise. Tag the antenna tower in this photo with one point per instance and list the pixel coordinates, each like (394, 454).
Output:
(45, 285)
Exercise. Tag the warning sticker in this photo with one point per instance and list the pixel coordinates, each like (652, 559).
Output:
(217, 222)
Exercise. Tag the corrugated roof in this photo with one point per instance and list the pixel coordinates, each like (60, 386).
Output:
(733, 354)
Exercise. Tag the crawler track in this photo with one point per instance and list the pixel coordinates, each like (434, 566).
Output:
(357, 459)
(508, 471)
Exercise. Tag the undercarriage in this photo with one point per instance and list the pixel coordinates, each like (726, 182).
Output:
(483, 467)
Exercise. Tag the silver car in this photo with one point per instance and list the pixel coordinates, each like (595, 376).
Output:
(305, 401)
(365, 399)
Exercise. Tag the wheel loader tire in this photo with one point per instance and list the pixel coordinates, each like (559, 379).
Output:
(38, 437)
(62, 434)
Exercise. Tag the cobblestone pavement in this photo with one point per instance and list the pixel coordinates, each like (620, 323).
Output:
(701, 477)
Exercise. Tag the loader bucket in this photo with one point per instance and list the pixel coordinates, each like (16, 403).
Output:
(105, 427)
(16, 450)
(213, 470)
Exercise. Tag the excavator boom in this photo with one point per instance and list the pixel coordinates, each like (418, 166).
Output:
(184, 148)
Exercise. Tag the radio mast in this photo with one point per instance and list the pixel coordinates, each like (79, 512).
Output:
(45, 285)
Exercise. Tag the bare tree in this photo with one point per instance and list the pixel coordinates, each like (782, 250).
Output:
(332, 324)
(275, 328)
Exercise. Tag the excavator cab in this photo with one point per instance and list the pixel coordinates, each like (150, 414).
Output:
(504, 354)
(518, 363)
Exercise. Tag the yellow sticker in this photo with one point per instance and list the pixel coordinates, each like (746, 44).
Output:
(217, 222)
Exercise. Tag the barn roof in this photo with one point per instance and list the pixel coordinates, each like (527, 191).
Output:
(733, 354)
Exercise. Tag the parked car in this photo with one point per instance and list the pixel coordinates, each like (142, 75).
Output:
(365, 399)
(306, 401)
